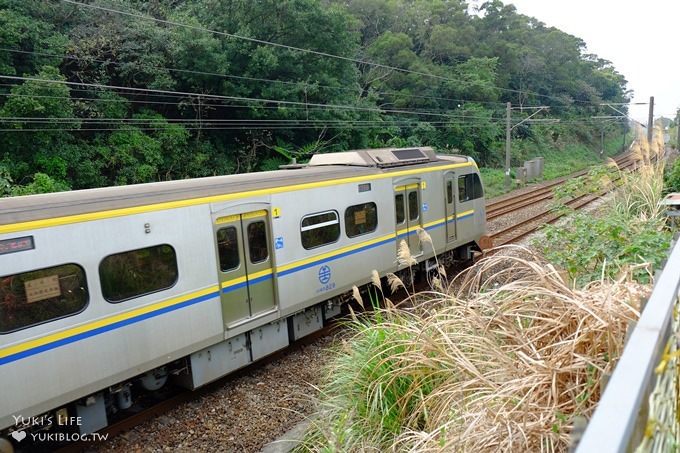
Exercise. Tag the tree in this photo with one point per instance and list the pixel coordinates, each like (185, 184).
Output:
(169, 89)
(31, 39)
(40, 112)
(284, 84)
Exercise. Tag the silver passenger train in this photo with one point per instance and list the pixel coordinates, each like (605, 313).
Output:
(106, 290)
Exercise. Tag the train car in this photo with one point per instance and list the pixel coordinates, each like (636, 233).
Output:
(104, 291)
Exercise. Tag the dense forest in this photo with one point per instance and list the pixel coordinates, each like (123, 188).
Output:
(105, 92)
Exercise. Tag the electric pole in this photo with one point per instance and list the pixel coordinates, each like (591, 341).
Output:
(650, 120)
(677, 129)
(507, 146)
(508, 109)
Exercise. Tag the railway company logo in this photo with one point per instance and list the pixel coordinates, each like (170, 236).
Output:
(324, 274)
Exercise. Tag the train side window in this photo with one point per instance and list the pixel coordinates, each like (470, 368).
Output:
(413, 205)
(320, 229)
(227, 248)
(462, 189)
(361, 219)
(449, 192)
(138, 272)
(399, 205)
(470, 187)
(38, 296)
(477, 189)
(257, 242)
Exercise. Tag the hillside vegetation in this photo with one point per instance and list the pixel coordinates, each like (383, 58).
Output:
(107, 92)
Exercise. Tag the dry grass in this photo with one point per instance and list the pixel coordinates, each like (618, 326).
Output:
(505, 362)
(517, 360)
(611, 163)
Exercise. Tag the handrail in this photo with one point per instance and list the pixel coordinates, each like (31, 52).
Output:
(615, 425)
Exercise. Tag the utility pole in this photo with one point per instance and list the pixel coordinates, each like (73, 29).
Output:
(677, 129)
(650, 120)
(507, 146)
(508, 109)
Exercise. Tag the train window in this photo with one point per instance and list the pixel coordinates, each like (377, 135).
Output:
(38, 296)
(138, 272)
(469, 187)
(399, 204)
(320, 229)
(361, 219)
(257, 242)
(449, 192)
(227, 248)
(413, 205)
(462, 189)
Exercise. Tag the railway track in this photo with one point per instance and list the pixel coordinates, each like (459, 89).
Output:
(532, 208)
(522, 229)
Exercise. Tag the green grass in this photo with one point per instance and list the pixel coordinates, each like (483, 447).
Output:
(560, 159)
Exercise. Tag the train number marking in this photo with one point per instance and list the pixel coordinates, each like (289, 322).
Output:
(16, 245)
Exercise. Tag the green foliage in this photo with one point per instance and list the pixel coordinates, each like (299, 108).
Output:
(557, 162)
(37, 113)
(597, 179)
(477, 139)
(41, 183)
(590, 247)
(32, 30)
(445, 373)
(6, 182)
(672, 177)
(628, 231)
(493, 181)
(454, 73)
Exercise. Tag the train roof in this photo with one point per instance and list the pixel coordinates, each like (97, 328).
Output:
(322, 167)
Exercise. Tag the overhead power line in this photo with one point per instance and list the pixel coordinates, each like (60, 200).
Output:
(252, 79)
(231, 98)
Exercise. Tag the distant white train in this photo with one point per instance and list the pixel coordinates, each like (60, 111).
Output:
(105, 291)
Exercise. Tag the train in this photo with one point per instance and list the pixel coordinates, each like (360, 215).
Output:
(106, 291)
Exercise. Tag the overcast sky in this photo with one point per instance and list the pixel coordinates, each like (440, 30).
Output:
(638, 37)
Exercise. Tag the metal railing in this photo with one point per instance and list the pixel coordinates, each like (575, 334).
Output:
(638, 410)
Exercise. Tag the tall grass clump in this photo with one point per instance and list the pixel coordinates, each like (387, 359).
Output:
(505, 366)
(366, 395)
(639, 194)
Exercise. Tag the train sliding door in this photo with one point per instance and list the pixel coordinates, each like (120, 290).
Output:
(450, 199)
(408, 215)
(245, 265)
